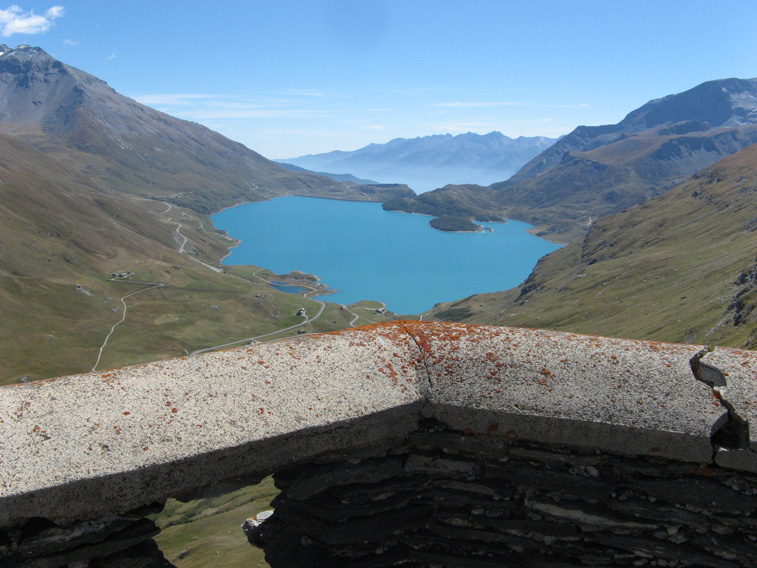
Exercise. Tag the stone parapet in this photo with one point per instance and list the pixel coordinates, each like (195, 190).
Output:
(81, 449)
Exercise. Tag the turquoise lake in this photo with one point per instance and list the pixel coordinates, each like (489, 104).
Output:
(366, 253)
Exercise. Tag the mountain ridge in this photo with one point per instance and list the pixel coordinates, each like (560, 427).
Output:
(428, 162)
(701, 108)
(599, 170)
(92, 185)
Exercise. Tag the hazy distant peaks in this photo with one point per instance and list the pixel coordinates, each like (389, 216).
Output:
(428, 162)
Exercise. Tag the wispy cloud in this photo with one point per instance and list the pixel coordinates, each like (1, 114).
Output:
(492, 104)
(230, 113)
(305, 92)
(291, 103)
(476, 104)
(70, 42)
(14, 20)
(111, 57)
(172, 98)
(464, 127)
(204, 107)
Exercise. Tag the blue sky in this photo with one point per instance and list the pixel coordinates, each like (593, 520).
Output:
(288, 78)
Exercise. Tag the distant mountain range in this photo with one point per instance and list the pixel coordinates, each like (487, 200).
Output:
(679, 267)
(430, 162)
(594, 171)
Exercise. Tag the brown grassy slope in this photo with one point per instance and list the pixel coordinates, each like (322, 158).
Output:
(680, 267)
(60, 241)
(122, 145)
(57, 232)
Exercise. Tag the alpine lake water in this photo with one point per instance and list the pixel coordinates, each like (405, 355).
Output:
(366, 253)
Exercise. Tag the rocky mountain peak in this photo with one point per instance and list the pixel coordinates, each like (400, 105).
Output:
(708, 107)
(38, 91)
(723, 102)
(24, 58)
(23, 48)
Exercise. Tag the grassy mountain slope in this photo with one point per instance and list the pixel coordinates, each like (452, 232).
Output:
(60, 241)
(91, 184)
(617, 175)
(601, 170)
(122, 145)
(678, 267)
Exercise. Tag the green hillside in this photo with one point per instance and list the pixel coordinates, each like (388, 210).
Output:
(680, 267)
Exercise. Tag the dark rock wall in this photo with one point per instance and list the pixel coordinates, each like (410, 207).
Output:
(444, 498)
(122, 541)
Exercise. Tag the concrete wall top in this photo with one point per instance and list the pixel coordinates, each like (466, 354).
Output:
(136, 435)
(83, 446)
(633, 397)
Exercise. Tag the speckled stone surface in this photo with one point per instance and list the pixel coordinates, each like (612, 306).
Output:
(123, 438)
(633, 397)
(90, 445)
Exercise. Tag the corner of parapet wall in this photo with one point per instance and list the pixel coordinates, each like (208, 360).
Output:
(626, 396)
(399, 332)
(228, 414)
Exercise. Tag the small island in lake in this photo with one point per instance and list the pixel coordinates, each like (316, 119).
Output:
(455, 224)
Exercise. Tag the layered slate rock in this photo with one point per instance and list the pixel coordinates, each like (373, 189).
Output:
(446, 498)
(731, 375)
(117, 541)
(407, 443)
